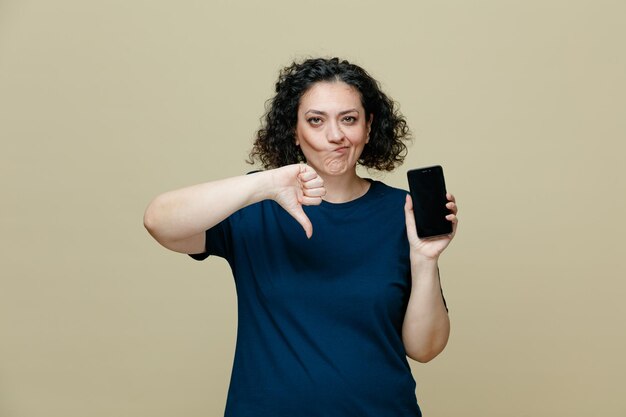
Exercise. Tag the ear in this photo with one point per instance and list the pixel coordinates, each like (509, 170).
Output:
(369, 127)
(296, 141)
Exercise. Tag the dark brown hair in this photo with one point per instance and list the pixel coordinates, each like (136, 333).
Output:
(274, 145)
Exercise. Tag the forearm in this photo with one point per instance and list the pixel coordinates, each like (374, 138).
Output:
(181, 213)
(426, 324)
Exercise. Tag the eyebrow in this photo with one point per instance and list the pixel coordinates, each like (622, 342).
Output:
(341, 113)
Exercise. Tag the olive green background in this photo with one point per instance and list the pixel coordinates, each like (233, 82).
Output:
(104, 105)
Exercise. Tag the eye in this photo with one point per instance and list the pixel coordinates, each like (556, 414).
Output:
(315, 121)
(349, 119)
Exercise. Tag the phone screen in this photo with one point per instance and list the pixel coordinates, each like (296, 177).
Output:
(428, 192)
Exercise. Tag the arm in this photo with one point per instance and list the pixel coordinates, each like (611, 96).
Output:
(426, 326)
(178, 219)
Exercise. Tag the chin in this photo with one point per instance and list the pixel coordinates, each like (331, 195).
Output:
(339, 172)
(337, 168)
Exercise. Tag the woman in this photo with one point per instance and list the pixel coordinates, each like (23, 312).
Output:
(328, 316)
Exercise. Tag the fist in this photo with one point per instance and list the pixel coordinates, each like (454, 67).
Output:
(295, 186)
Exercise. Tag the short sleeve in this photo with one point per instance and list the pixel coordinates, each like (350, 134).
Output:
(218, 242)
(218, 239)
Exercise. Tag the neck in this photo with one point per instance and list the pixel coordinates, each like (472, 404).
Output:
(344, 188)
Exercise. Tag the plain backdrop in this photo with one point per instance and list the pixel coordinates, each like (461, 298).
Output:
(105, 104)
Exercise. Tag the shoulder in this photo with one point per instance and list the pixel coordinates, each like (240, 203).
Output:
(386, 200)
(384, 191)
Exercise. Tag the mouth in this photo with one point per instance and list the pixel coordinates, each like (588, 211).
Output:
(341, 149)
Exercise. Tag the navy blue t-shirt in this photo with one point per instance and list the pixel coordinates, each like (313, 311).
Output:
(319, 320)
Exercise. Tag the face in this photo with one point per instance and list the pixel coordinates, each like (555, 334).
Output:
(332, 127)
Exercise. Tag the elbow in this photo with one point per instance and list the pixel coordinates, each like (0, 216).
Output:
(151, 219)
(423, 356)
(426, 352)
(153, 223)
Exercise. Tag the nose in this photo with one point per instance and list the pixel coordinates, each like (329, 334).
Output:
(335, 134)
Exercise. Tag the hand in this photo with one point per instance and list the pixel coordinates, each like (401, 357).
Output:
(429, 248)
(295, 186)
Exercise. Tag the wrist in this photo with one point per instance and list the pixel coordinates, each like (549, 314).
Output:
(262, 183)
(271, 184)
(420, 260)
(424, 271)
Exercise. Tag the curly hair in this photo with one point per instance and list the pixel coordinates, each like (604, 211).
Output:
(274, 145)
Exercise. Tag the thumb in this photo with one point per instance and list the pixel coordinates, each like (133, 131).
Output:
(301, 217)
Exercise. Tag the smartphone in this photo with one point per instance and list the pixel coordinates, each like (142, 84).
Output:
(428, 192)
